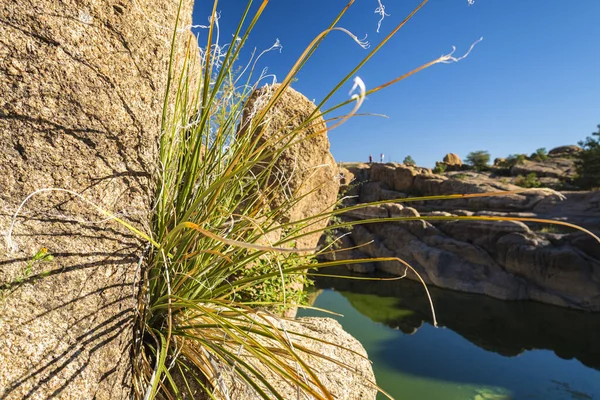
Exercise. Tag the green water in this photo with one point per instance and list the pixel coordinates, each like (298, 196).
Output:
(484, 349)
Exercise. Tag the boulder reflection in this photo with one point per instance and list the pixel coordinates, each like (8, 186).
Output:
(505, 327)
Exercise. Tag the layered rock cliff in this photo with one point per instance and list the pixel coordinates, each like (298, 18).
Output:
(507, 259)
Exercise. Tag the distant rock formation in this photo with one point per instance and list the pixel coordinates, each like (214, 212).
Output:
(498, 162)
(452, 159)
(565, 151)
(507, 260)
(557, 168)
(398, 177)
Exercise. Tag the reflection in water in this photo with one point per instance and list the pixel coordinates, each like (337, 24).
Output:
(507, 328)
(472, 357)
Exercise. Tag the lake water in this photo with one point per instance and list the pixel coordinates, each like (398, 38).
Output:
(484, 348)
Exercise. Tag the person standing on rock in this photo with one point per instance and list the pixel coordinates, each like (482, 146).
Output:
(381, 157)
(370, 159)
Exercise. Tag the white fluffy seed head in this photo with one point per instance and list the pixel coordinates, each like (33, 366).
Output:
(362, 89)
(381, 11)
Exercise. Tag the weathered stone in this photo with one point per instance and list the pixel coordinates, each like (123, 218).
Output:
(386, 174)
(349, 185)
(581, 208)
(554, 168)
(425, 185)
(392, 195)
(514, 261)
(343, 251)
(416, 227)
(306, 169)
(361, 268)
(565, 151)
(559, 270)
(396, 176)
(409, 212)
(361, 171)
(484, 234)
(368, 212)
(82, 86)
(463, 213)
(452, 159)
(394, 209)
(352, 381)
(499, 162)
(346, 177)
(505, 260)
(370, 192)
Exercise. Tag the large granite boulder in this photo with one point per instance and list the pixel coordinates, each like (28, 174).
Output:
(398, 177)
(306, 169)
(360, 171)
(82, 86)
(565, 151)
(452, 159)
(339, 360)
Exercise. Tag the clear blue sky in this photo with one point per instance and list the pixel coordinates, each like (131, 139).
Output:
(534, 81)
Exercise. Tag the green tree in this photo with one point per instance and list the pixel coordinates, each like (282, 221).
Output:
(478, 159)
(529, 181)
(588, 164)
(512, 160)
(408, 160)
(515, 159)
(440, 168)
(540, 154)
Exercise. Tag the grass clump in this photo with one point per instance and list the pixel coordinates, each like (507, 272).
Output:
(269, 291)
(540, 155)
(223, 255)
(588, 162)
(211, 271)
(460, 177)
(529, 181)
(26, 274)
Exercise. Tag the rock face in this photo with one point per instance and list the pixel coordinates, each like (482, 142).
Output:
(305, 169)
(452, 159)
(346, 177)
(397, 177)
(499, 161)
(557, 170)
(353, 382)
(565, 151)
(507, 260)
(553, 168)
(82, 86)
